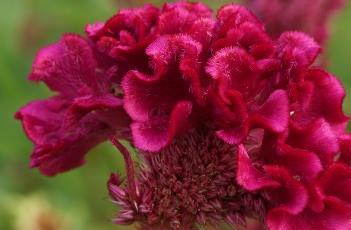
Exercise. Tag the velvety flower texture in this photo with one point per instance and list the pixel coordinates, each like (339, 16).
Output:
(232, 127)
(311, 17)
(83, 113)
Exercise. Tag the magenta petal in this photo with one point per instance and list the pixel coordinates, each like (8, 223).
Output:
(234, 68)
(58, 157)
(147, 96)
(302, 163)
(238, 27)
(155, 134)
(256, 40)
(335, 216)
(232, 15)
(280, 220)
(274, 113)
(235, 135)
(291, 196)
(127, 33)
(298, 47)
(83, 105)
(61, 146)
(318, 137)
(248, 36)
(202, 31)
(336, 182)
(92, 30)
(67, 66)
(316, 198)
(185, 13)
(107, 101)
(180, 119)
(232, 118)
(59, 149)
(248, 176)
(164, 50)
(229, 107)
(153, 101)
(345, 148)
(320, 95)
(40, 118)
(197, 9)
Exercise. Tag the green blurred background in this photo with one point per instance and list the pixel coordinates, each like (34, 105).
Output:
(78, 199)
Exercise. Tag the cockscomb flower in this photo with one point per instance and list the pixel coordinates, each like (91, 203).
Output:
(311, 17)
(232, 126)
(227, 83)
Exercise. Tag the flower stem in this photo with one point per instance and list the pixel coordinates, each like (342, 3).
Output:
(129, 167)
